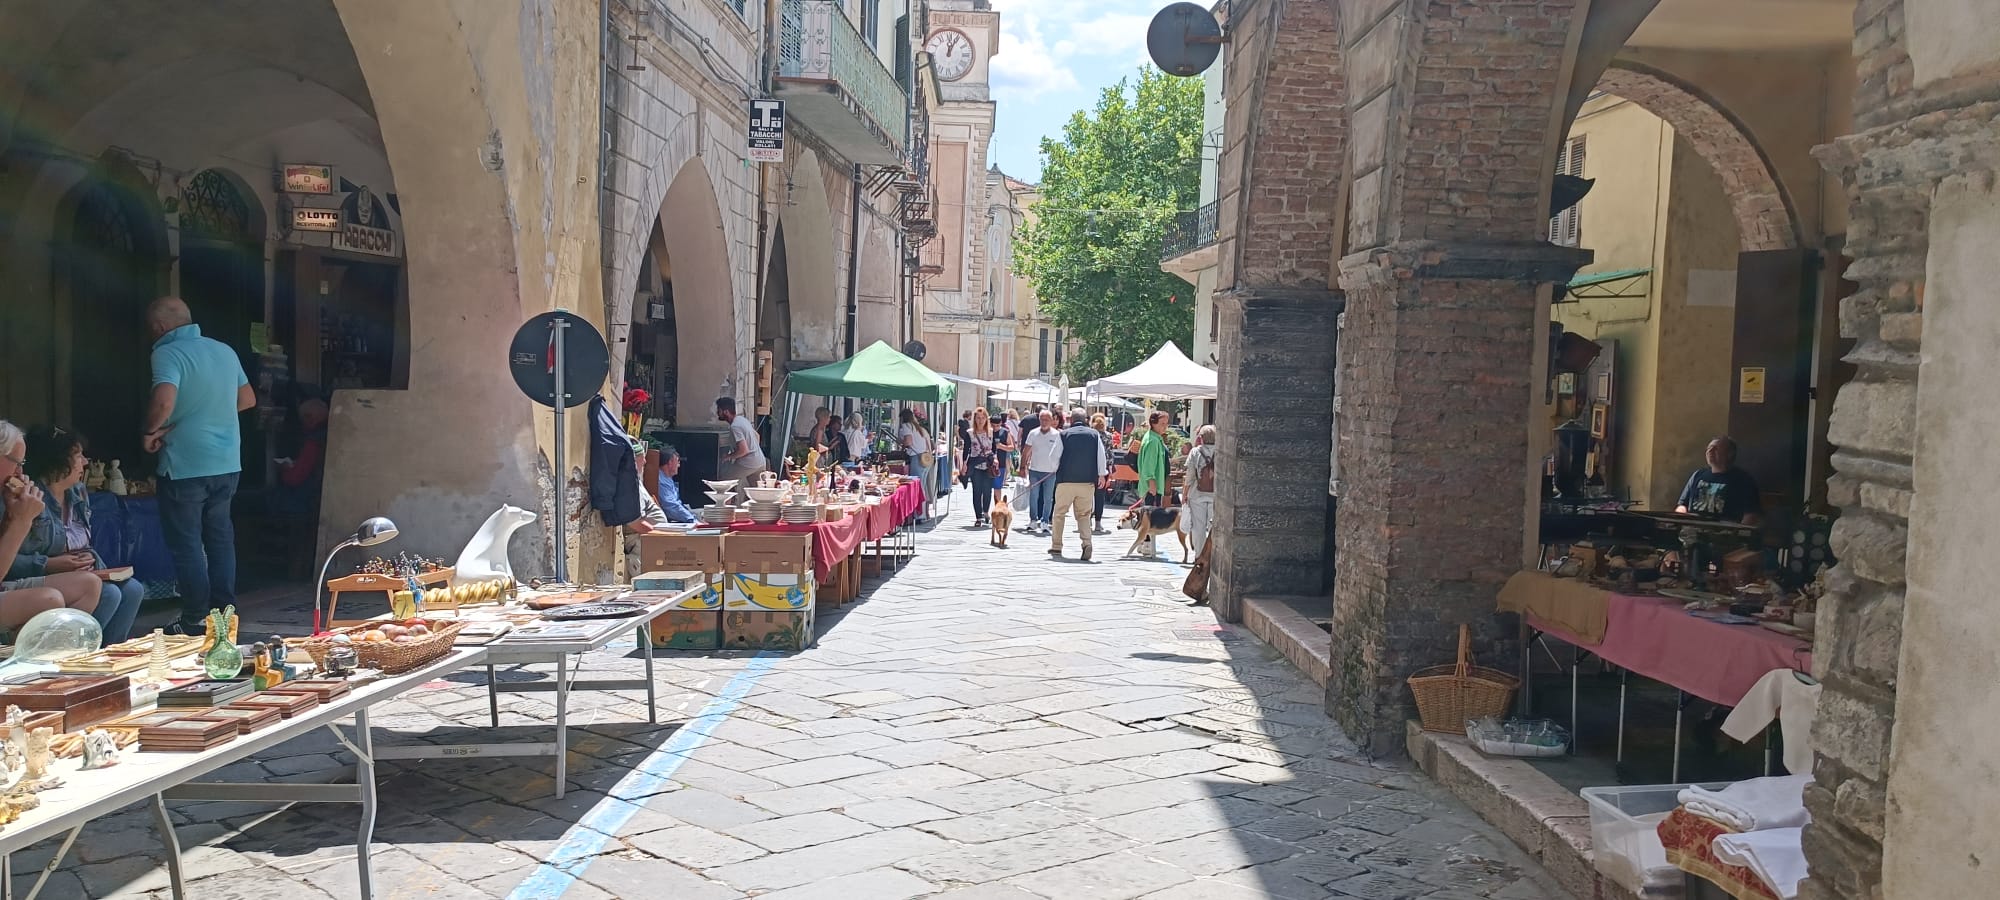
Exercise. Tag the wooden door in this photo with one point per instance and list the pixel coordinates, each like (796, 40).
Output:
(1770, 405)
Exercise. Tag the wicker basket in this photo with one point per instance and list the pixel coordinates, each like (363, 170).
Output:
(390, 657)
(1449, 695)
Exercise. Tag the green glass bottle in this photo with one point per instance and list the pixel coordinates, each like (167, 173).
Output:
(222, 659)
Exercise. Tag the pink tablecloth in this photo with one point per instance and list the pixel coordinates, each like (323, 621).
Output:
(836, 541)
(1655, 637)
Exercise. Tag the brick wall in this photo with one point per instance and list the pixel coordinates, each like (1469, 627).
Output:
(1278, 188)
(1454, 128)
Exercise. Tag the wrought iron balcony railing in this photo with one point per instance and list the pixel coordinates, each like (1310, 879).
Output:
(819, 48)
(1189, 232)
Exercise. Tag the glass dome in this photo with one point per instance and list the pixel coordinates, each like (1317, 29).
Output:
(50, 636)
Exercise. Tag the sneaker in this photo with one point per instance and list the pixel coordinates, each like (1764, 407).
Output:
(1055, 552)
(1085, 556)
(1100, 530)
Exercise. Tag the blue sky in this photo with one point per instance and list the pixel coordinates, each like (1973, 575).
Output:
(1055, 57)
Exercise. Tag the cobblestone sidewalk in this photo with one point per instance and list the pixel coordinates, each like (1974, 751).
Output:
(988, 724)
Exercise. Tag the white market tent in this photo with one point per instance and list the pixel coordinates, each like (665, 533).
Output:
(1167, 375)
(1035, 390)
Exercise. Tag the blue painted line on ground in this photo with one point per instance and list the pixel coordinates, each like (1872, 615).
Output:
(587, 838)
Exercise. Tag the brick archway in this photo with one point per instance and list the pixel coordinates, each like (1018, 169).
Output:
(1765, 217)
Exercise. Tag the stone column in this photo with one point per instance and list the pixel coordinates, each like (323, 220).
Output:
(1437, 356)
(1276, 382)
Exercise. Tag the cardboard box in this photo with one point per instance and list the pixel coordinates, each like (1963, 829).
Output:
(768, 552)
(757, 592)
(688, 629)
(707, 596)
(680, 552)
(670, 581)
(742, 630)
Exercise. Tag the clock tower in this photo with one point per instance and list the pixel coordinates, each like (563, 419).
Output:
(966, 330)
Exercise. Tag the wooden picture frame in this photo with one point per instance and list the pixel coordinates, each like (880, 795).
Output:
(1600, 419)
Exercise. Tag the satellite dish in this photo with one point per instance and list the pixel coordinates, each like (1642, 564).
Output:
(1184, 39)
(915, 350)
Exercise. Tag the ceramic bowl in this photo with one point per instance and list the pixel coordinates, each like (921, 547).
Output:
(768, 494)
(720, 485)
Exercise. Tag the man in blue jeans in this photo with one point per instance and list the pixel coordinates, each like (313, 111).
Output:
(198, 391)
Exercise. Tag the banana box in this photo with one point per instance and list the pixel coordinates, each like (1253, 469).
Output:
(695, 623)
(764, 630)
(758, 592)
(672, 552)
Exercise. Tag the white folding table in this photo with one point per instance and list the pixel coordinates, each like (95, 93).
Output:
(565, 653)
(160, 777)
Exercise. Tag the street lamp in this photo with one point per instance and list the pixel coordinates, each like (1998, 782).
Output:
(374, 531)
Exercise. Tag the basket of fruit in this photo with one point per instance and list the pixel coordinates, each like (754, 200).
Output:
(392, 647)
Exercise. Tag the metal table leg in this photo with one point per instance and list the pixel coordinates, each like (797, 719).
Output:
(1622, 675)
(492, 696)
(1680, 705)
(1575, 667)
(364, 771)
(173, 844)
(652, 690)
(562, 724)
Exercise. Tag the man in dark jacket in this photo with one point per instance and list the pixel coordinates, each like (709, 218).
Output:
(1083, 468)
(614, 483)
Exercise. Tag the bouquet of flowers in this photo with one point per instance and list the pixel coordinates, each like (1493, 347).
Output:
(635, 402)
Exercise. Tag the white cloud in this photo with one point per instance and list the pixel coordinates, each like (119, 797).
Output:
(1044, 42)
(1026, 69)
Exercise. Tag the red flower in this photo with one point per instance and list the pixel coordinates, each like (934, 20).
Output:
(636, 400)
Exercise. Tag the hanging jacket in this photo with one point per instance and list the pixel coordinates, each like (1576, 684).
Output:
(614, 473)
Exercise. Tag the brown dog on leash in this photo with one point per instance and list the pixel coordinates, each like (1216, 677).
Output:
(1002, 518)
(1152, 521)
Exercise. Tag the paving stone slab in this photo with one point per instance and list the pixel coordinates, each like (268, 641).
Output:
(1113, 876)
(1016, 856)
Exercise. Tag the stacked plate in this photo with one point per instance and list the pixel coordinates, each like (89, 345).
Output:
(801, 515)
(766, 513)
(718, 514)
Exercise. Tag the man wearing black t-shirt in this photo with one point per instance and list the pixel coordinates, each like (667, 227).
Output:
(1720, 490)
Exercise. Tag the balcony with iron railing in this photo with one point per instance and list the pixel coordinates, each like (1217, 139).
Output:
(1190, 231)
(835, 86)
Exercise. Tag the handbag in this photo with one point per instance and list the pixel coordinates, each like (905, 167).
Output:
(1196, 585)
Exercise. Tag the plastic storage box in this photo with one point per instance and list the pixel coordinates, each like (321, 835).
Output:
(1625, 844)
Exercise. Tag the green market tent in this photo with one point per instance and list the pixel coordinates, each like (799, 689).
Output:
(876, 373)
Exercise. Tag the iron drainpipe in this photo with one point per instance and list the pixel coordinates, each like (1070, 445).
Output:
(768, 79)
(854, 261)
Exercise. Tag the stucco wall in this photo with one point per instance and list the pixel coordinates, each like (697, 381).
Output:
(1949, 39)
(1696, 329)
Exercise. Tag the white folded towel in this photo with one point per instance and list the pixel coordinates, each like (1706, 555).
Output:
(1753, 805)
(1775, 854)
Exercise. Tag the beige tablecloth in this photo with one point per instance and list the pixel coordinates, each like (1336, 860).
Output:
(1574, 605)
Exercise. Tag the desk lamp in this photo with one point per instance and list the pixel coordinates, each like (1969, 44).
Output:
(374, 531)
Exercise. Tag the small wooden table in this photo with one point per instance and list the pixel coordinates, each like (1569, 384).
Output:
(386, 585)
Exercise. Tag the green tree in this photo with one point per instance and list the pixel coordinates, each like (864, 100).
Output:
(1111, 186)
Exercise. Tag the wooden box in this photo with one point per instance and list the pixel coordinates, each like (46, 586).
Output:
(385, 585)
(84, 700)
(752, 552)
(761, 630)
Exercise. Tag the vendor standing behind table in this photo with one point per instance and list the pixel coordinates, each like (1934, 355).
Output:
(199, 389)
(1722, 491)
(744, 461)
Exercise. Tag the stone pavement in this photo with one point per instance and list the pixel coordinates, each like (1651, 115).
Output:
(987, 724)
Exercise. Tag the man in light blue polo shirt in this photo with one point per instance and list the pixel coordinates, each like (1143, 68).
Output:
(198, 391)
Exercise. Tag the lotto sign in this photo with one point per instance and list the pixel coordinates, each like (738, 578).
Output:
(767, 131)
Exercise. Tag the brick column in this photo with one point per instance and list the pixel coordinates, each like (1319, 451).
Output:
(1276, 379)
(1437, 356)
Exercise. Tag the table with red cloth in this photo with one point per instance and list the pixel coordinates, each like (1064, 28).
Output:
(1655, 637)
(836, 543)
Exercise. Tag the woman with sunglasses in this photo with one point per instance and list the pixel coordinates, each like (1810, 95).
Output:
(21, 601)
(59, 540)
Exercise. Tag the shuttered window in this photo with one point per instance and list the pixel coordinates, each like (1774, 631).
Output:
(1566, 228)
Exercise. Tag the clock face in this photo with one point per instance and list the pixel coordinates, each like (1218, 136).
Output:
(951, 51)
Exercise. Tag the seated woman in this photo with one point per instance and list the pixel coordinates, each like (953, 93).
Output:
(59, 541)
(20, 601)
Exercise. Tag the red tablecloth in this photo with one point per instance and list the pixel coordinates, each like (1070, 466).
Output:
(1655, 637)
(836, 541)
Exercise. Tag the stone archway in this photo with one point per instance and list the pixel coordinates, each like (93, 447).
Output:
(704, 313)
(1766, 218)
(812, 273)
